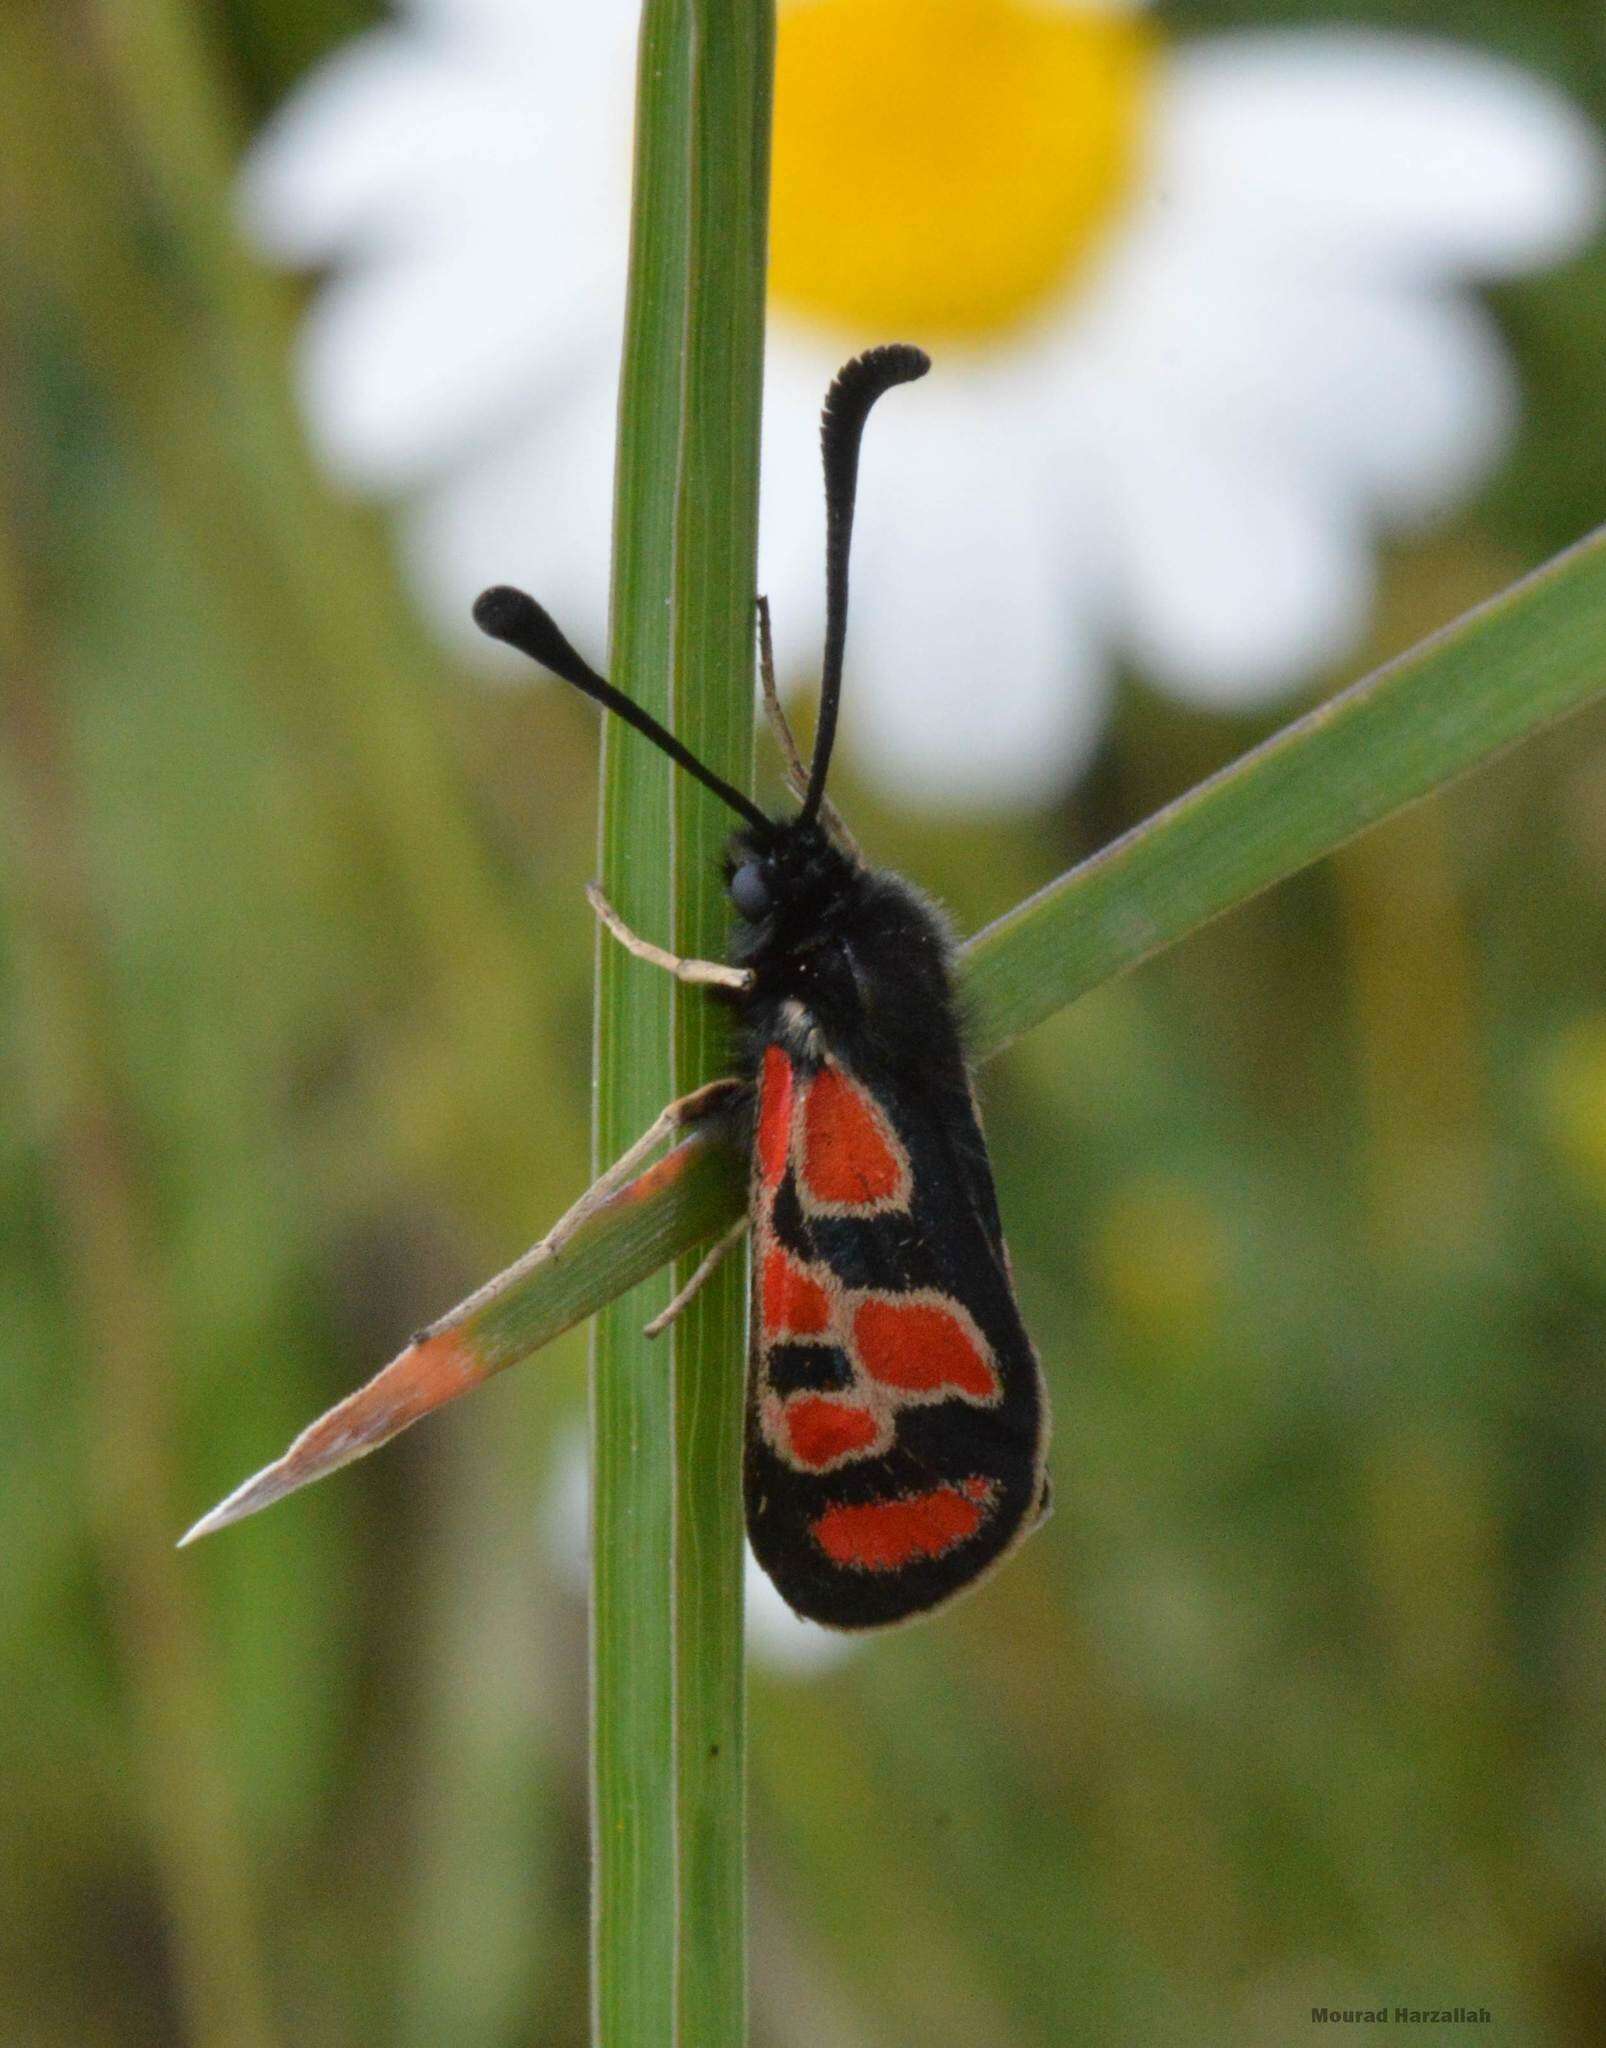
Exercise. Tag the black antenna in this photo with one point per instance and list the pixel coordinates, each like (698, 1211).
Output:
(847, 406)
(509, 615)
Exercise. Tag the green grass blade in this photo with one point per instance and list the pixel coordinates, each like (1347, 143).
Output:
(1497, 676)
(716, 561)
(1506, 670)
(632, 1647)
(667, 1723)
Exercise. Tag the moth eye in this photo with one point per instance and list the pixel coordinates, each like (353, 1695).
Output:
(750, 891)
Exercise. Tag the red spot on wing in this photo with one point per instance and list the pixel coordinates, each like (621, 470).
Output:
(774, 1116)
(879, 1536)
(921, 1348)
(822, 1431)
(848, 1160)
(794, 1304)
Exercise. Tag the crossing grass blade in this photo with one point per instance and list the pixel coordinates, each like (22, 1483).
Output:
(1497, 676)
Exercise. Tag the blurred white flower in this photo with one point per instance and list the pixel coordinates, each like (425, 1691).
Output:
(1199, 312)
(782, 1642)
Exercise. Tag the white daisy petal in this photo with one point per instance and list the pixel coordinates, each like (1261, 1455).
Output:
(374, 127)
(970, 674)
(533, 511)
(1352, 149)
(1237, 578)
(400, 130)
(496, 18)
(1400, 395)
(402, 363)
(1273, 355)
(1407, 401)
(784, 1642)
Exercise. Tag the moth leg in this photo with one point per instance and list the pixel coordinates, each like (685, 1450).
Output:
(708, 1100)
(686, 1109)
(708, 973)
(698, 1281)
(797, 774)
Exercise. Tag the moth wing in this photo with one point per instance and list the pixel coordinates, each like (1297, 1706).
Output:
(897, 1423)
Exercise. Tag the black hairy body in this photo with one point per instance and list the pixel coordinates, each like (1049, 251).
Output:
(853, 967)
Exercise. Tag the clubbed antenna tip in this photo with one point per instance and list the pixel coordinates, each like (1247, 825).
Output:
(514, 616)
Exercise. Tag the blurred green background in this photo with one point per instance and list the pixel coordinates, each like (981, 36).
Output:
(1301, 1697)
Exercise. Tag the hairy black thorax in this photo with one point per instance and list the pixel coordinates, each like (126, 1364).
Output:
(865, 957)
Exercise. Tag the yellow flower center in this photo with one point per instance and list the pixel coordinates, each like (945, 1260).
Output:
(944, 167)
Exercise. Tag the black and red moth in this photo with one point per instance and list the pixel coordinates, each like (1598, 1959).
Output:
(896, 1416)
(897, 1423)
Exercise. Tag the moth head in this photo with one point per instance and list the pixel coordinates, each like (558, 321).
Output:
(783, 886)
